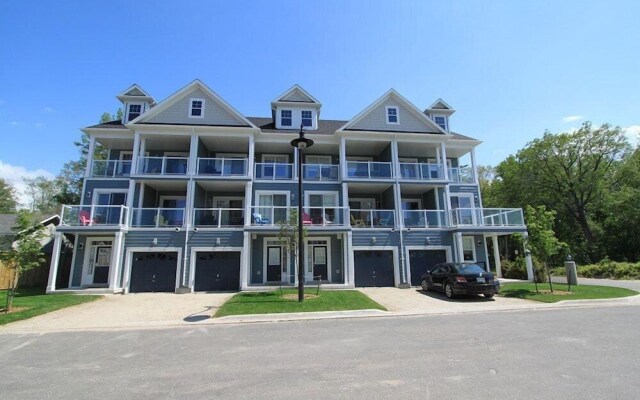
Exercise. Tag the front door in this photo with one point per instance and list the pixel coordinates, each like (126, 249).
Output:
(274, 263)
(97, 261)
(317, 260)
(320, 262)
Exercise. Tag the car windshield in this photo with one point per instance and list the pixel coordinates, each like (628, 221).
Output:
(469, 269)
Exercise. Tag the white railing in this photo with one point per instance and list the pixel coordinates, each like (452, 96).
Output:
(222, 166)
(218, 217)
(421, 171)
(372, 218)
(369, 170)
(274, 171)
(488, 217)
(166, 165)
(73, 215)
(424, 218)
(311, 216)
(110, 168)
(320, 172)
(461, 175)
(157, 217)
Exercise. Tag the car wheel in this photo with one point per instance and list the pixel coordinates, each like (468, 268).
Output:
(448, 291)
(425, 285)
(488, 295)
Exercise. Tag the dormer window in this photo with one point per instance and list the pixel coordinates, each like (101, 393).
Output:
(134, 111)
(306, 118)
(285, 117)
(441, 122)
(392, 115)
(196, 108)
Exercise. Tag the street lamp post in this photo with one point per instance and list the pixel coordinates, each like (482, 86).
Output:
(300, 143)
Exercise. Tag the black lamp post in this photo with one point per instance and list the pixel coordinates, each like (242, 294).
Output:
(300, 143)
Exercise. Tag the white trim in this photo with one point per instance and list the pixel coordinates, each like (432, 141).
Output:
(128, 110)
(276, 156)
(89, 243)
(284, 258)
(231, 155)
(322, 159)
(292, 89)
(192, 262)
(327, 255)
(473, 248)
(191, 100)
(290, 117)
(259, 193)
(407, 250)
(444, 103)
(122, 152)
(396, 263)
(129, 261)
(361, 200)
(97, 192)
(387, 115)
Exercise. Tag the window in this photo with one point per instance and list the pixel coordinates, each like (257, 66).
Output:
(285, 117)
(468, 249)
(196, 109)
(441, 122)
(306, 118)
(392, 115)
(134, 111)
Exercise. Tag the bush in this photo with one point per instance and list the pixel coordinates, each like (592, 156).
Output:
(517, 269)
(607, 269)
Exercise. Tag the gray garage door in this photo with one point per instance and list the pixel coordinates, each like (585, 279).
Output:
(373, 268)
(421, 261)
(153, 272)
(217, 271)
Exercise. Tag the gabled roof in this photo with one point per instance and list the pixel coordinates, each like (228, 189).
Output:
(295, 94)
(440, 107)
(185, 91)
(135, 91)
(117, 124)
(325, 126)
(393, 94)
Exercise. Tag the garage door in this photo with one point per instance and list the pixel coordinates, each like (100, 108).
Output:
(420, 261)
(217, 270)
(373, 268)
(153, 272)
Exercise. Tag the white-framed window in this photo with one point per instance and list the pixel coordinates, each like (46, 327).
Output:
(393, 116)
(285, 117)
(134, 111)
(468, 249)
(307, 118)
(441, 121)
(275, 158)
(196, 108)
(315, 159)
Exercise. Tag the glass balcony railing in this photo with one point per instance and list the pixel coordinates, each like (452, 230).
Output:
(218, 217)
(424, 218)
(311, 216)
(163, 165)
(369, 170)
(320, 172)
(157, 217)
(461, 175)
(372, 218)
(487, 217)
(274, 171)
(111, 168)
(421, 171)
(222, 167)
(94, 215)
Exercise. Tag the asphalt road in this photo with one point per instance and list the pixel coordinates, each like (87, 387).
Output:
(577, 353)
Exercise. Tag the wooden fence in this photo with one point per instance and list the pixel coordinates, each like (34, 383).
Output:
(36, 277)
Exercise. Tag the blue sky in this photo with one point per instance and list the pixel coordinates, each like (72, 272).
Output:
(511, 69)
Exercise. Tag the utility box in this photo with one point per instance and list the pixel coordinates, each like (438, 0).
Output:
(572, 274)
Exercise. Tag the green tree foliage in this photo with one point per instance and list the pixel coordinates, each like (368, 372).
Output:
(8, 201)
(42, 193)
(26, 252)
(543, 243)
(288, 236)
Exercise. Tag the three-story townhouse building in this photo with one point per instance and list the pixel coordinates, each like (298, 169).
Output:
(192, 196)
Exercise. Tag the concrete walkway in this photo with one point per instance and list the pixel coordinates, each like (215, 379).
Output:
(627, 284)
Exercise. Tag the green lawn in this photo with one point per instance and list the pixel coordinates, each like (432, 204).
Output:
(528, 291)
(273, 302)
(36, 302)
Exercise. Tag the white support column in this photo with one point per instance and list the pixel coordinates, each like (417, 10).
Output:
(136, 154)
(443, 154)
(116, 262)
(193, 154)
(89, 166)
(486, 253)
(474, 167)
(395, 166)
(351, 261)
(460, 247)
(251, 157)
(248, 201)
(345, 203)
(438, 155)
(191, 194)
(131, 193)
(345, 259)
(527, 258)
(496, 256)
(397, 196)
(447, 205)
(343, 158)
(143, 152)
(55, 260)
(245, 265)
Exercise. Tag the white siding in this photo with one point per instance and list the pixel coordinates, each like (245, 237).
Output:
(376, 120)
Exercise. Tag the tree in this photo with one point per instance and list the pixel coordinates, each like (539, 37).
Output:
(42, 193)
(289, 239)
(26, 252)
(542, 243)
(8, 201)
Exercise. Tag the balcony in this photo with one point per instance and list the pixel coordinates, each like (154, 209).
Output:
(157, 217)
(487, 217)
(421, 171)
(110, 168)
(218, 217)
(425, 218)
(166, 165)
(369, 170)
(461, 175)
(270, 216)
(372, 218)
(222, 167)
(320, 172)
(107, 216)
(274, 171)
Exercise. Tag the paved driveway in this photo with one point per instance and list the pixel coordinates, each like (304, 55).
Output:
(132, 310)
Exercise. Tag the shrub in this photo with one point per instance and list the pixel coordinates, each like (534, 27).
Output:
(517, 269)
(607, 269)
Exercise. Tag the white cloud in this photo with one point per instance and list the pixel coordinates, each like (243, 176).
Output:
(38, 124)
(15, 174)
(633, 134)
(48, 109)
(572, 118)
(15, 123)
